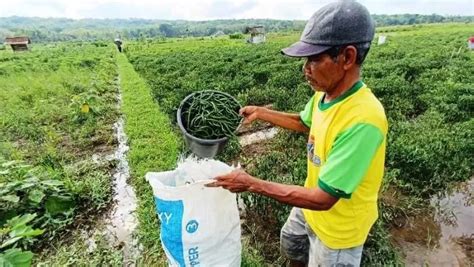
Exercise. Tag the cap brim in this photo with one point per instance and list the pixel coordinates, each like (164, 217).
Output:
(302, 49)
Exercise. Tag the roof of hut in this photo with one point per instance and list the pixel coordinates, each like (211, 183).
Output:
(255, 30)
(17, 40)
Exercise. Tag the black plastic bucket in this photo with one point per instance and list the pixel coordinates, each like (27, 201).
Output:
(205, 148)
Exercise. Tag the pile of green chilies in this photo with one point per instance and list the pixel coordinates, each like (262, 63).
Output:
(210, 115)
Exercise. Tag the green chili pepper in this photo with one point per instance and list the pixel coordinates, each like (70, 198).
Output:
(211, 115)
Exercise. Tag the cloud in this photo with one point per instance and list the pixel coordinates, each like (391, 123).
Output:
(442, 7)
(120, 10)
(219, 9)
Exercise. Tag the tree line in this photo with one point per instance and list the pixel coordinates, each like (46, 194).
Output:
(63, 29)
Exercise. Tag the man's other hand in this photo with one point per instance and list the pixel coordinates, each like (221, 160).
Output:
(236, 181)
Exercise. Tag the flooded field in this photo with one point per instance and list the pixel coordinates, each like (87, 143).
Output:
(444, 237)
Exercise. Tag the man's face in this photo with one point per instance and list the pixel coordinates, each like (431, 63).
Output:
(322, 72)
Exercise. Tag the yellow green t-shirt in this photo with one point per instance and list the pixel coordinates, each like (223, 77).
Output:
(346, 155)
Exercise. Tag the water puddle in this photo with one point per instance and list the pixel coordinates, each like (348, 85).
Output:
(122, 222)
(256, 137)
(119, 224)
(446, 237)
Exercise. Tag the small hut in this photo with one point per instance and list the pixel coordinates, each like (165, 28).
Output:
(382, 39)
(257, 34)
(470, 43)
(19, 43)
(218, 34)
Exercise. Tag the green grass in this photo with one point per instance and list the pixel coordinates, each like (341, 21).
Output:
(42, 125)
(418, 28)
(153, 147)
(83, 251)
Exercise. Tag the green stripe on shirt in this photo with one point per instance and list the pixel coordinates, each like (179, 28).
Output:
(306, 115)
(332, 191)
(349, 159)
(355, 87)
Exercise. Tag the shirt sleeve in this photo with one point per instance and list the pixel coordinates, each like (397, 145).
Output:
(307, 114)
(349, 159)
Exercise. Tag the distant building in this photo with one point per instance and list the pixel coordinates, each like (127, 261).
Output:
(19, 43)
(257, 34)
(470, 43)
(218, 34)
(382, 39)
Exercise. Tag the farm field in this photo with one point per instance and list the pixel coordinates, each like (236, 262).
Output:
(59, 105)
(423, 76)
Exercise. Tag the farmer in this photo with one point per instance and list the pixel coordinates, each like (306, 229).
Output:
(334, 211)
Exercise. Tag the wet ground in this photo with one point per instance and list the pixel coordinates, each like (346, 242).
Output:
(121, 223)
(256, 137)
(444, 237)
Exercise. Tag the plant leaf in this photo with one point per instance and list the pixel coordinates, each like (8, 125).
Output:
(52, 182)
(11, 241)
(9, 163)
(21, 220)
(26, 185)
(36, 196)
(85, 108)
(25, 231)
(16, 258)
(58, 204)
(10, 198)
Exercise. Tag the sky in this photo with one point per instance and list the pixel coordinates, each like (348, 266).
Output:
(217, 9)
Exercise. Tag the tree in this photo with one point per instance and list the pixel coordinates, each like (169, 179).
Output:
(167, 30)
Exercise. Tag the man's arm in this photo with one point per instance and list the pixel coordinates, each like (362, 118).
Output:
(285, 120)
(298, 196)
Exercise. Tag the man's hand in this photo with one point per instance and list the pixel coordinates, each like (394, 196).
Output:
(250, 113)
(236, 181)
(285, 120)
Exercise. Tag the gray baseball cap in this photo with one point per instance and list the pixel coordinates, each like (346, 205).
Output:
(338, 23)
